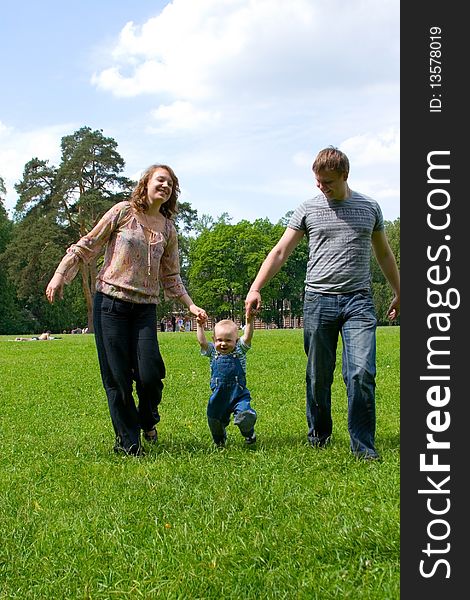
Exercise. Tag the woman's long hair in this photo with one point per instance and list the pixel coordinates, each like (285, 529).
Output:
(139, 198)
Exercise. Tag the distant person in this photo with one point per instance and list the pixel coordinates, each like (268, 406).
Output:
(342, 226)
(141, 252)
(44, 337)
(227, 354)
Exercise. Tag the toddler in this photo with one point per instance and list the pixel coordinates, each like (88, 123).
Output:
(227, 354)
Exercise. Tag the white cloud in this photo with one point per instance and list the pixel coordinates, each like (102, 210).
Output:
(182, 116)
(369, 149)
(4, 129)
(239, 95)
(302, 159)
(258, 81)
(215, 48)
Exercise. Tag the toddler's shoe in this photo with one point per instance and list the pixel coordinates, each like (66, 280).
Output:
(245, 420)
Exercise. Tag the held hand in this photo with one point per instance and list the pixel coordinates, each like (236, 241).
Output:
(198, 312)
(201, 319)
(249, 316)
(394, 309)
(252, 302)
(55, 288)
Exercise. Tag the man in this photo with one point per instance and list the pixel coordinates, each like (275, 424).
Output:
(342, 226)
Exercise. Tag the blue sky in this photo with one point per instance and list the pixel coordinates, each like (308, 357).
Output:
(236, 95)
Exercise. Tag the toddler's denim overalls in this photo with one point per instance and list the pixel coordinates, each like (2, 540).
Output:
(229, 395)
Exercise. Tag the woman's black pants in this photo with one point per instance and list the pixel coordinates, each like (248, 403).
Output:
(128, 351)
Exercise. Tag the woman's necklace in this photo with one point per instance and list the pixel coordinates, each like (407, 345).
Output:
(147, 224)
(151, 238)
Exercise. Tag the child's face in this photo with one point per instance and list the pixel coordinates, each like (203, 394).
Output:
(225, 339)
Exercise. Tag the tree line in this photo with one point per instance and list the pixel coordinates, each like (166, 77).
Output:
(59, 204)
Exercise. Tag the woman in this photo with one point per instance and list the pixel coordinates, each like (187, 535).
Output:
(141, 253)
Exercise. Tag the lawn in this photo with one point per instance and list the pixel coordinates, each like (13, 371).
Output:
(188, 521)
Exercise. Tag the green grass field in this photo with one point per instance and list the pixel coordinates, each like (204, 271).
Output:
(187, 521)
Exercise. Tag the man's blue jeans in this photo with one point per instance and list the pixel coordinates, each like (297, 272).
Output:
(353, 316)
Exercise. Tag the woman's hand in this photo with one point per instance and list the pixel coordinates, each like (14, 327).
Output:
(199, 313)
(55, 288)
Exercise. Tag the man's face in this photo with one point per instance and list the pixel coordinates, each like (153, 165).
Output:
(332, 184)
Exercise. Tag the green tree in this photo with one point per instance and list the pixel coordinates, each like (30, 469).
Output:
(7, 296)
(220, 259)
(89, 183)
(14, 318)
(185, 223)
(380, 288)
(37, 189)
(185, 220)
(284, 294)
(37, 243)
(224, 260)
(5, 223)
(57, 206)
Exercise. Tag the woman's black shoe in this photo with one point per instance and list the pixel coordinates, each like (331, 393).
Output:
(151, 436)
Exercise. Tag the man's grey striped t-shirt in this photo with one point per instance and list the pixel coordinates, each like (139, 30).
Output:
(339, 237)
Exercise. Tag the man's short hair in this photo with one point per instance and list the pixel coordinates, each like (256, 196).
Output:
(331, 159)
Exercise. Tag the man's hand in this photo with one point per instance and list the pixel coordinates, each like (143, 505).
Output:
(394, 308)
(252, 302)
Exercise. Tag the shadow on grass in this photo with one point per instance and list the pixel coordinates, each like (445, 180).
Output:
(67, 447)
(265, 443)
(389, 442)
(233, 442)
